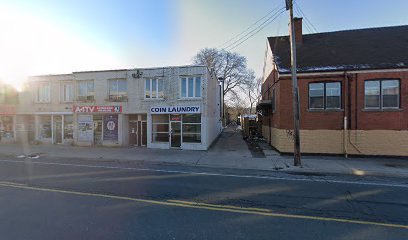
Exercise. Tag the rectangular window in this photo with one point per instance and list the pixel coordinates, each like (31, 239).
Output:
(198, 87)
(86, 91)
(117, 90)
(45, 127)
(183, 87)
(7, 126)
(191, 128)
(316, 95)
(390, 94)
(154, 88)
(160, 128)
(43, 93)
(67, 92)
(333, 94)
(325, 95)
(191, 87)
(381, 94)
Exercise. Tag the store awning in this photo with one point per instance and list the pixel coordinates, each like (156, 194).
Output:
(263, 104)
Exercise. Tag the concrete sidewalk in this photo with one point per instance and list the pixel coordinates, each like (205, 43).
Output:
(229, 151)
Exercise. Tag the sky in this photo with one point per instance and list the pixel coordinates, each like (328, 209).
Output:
(56, 37)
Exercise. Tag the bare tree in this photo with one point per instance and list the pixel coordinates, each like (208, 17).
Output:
(235, 106)
(252, 89)
(232, 67)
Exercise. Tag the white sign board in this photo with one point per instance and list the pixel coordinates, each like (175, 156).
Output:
(175, 109)
(85, 128)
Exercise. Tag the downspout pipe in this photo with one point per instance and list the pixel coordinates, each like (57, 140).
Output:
(346, 108)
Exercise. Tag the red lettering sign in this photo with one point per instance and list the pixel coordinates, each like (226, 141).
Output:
(97, 109)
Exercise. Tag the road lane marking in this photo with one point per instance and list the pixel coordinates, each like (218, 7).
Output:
(214, 174)
(219, 206)
(196, 205)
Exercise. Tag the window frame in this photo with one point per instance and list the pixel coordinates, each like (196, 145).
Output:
(194, 88)
(156, 123)
(117, 97)
(381, 99)
(37, 98)
(87, 96)
(186, 134)
(325, 108)
(156, 91)
(72, 97)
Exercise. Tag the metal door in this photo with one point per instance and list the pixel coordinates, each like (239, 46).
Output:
(133, 133)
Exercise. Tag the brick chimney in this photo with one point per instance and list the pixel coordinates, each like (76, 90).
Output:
(298, 30)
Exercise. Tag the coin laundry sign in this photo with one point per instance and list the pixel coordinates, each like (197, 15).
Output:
(177, 109)
(97, 109)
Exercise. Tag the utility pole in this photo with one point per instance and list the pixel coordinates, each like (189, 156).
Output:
(221, 79)
(295, 90)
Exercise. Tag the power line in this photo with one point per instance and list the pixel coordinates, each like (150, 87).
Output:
(260, 26)
(254, 31)
(238, 35)
(307, 20)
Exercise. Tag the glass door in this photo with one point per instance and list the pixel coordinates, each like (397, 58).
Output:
(57, 129)
(175, 134)
(98, 137)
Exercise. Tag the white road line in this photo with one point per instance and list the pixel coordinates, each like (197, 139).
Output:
(213, 174)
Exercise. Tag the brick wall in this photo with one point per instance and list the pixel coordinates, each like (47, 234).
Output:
(378, 132)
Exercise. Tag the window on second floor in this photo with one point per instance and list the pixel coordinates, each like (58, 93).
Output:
(86, 91)
(190, 87)
(42, 93)
(154, 88)
(117, 90)
(381, 94)
(67, 92)
(326, 95)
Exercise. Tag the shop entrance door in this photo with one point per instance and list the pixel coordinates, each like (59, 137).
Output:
(97, 120)
(133, 133)
(175, 134)
(57, 130)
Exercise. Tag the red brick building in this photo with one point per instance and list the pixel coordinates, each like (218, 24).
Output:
(353, 90)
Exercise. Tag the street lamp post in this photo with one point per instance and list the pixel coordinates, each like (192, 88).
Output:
(221, 79)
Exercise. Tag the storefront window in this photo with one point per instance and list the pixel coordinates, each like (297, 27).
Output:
(45, 127)
(192, 128)
(160, 128)
(6, 126)
(110, 127)
(68, 127)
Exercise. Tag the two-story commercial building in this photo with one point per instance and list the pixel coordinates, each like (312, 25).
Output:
(353, 91)
(169, 107)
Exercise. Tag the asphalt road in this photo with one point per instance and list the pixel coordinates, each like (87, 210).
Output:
(78, 199)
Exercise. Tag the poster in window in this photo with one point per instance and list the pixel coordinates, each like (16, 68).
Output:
(110, 127)
(85, 128)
